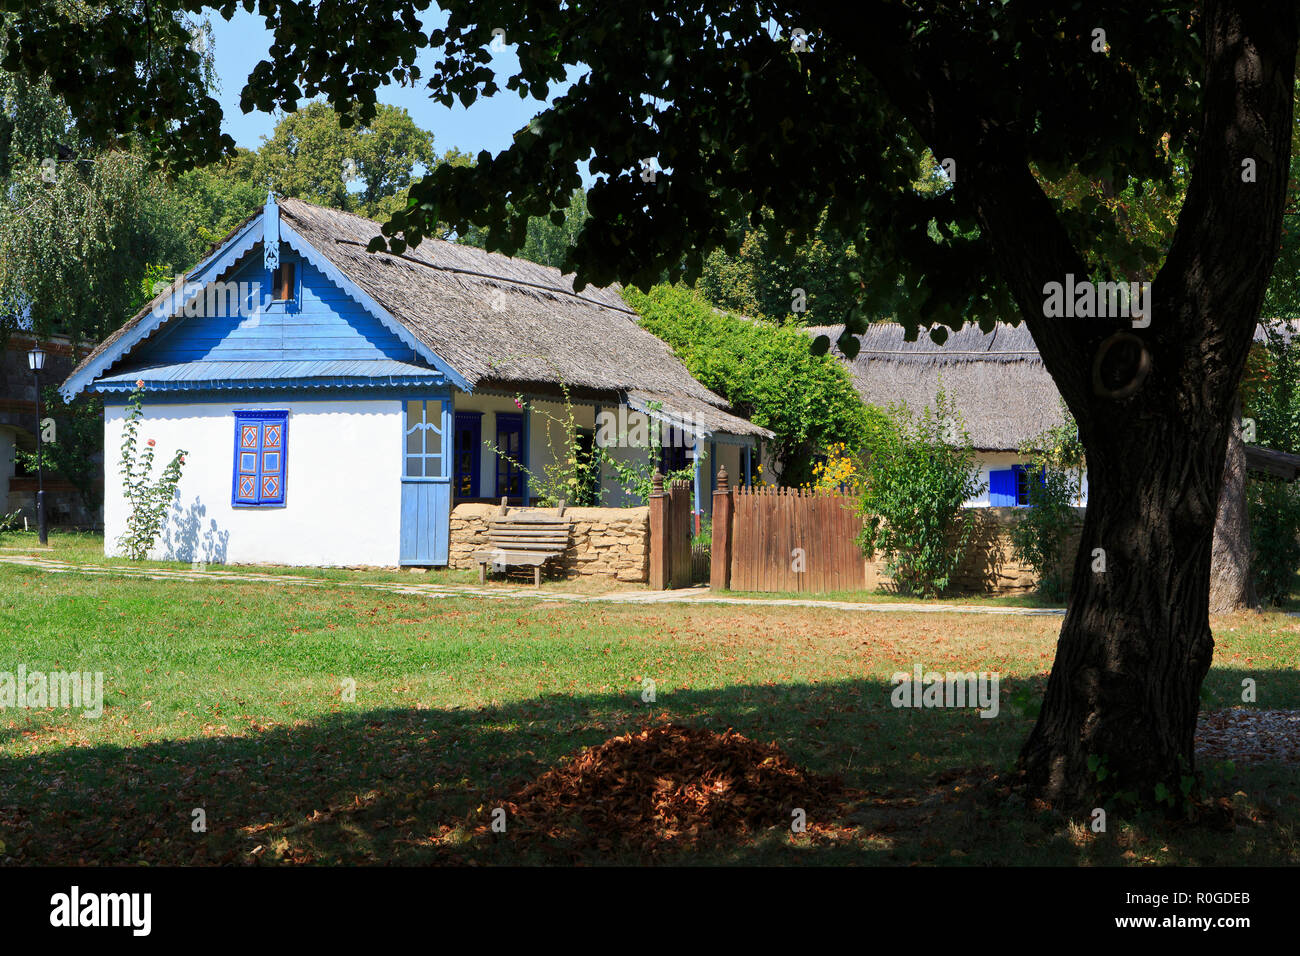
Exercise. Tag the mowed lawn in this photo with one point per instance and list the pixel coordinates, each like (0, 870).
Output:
(228, 697)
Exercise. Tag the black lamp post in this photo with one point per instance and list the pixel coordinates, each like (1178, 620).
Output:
(36, 361)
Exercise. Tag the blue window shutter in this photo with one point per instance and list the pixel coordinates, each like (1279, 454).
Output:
(1002, 488)
(261, 457)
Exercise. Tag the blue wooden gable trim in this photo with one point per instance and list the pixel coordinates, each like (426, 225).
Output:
(335, 275)
(284, 391)
(318, 324)
(239, 246)
(270, 234)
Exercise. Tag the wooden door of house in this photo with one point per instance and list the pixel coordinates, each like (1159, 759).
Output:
(426, 481)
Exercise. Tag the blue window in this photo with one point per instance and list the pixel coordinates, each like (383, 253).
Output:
(425, 457)
(1009, 487)
(261, 446)
(510, 455)
(1002, 488)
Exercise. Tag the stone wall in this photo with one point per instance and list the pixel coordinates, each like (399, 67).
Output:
(604, 542)
(988, 567)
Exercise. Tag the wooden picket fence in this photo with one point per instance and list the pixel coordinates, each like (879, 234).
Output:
(785, 539)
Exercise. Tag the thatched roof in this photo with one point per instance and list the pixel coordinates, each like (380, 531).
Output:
(996, 380)
(501, 322)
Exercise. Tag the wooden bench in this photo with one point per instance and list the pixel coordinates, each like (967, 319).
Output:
(524, 537)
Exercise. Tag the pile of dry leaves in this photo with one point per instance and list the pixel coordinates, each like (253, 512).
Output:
(667, 787)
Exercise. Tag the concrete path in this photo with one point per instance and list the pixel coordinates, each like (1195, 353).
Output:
(510, 592)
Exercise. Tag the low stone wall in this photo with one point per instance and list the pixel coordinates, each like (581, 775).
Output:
(604, 542)
(988, 567)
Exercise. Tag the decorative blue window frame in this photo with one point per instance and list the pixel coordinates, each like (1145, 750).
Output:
(426, 439)
(261, 461)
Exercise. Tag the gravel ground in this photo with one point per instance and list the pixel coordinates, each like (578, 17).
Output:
(1242, 735)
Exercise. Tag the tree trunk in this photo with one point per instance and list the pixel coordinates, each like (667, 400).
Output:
(1231, 583)
(1120, 712)
(1136, 644)
(1154, 404)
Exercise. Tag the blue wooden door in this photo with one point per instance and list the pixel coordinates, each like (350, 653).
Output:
(426, 481)
(469, 451)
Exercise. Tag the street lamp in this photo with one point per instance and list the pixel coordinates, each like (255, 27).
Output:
(36, 362)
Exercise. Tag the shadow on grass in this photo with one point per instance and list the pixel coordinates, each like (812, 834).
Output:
(410, 786)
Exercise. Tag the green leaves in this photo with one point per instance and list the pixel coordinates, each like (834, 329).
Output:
(758, 367)
(149, 498)
(1097, 766)
(920, 475)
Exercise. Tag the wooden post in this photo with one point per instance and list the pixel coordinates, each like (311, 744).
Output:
(659, 525)
(699, 491)
(720, 547)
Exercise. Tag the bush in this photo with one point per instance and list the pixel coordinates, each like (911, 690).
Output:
(148, 497)
(1038, 538)
(1275, 537)
(916, 482)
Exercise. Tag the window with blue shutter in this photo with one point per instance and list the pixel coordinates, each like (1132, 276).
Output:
(1002, 488)
(1010, 487)
(261, 441)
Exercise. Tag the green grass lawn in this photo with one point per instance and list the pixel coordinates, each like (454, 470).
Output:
(88, 548)
(227, 697)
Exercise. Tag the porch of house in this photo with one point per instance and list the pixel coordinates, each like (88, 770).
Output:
(493, 434)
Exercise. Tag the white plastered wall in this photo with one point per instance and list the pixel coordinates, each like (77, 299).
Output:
(342, 484)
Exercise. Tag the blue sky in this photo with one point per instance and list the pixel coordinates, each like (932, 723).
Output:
(240, 43)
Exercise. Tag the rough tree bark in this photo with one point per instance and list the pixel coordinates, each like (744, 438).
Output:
(1136, 643)
(1232, 586)
(1154, 405)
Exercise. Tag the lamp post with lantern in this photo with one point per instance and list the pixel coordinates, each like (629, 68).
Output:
(36, 361)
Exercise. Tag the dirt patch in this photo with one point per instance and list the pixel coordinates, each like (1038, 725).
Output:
(1248, 736)
(664, 788)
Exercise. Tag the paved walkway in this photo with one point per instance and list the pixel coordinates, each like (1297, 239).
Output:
(510, 592)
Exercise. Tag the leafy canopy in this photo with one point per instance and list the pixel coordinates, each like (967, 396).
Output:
(746, 125)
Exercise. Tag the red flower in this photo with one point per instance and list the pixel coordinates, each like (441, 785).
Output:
(518, 403)
(139, 383)
(149, 443)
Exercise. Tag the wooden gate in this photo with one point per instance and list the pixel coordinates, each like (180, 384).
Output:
(785, 539)
(670, 534)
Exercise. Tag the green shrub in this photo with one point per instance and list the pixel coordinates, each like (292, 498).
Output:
(919, 476)
(1038, 538)
(148, 497)
(1275, 537)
